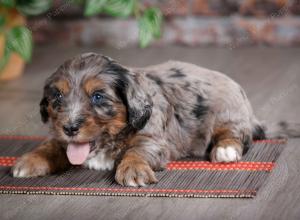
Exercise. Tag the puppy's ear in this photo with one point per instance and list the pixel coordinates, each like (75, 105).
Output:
(138, 103)
(43, 109)
(44, 103)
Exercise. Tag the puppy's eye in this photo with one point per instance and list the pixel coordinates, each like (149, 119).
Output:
(97, 98)
(58, 96)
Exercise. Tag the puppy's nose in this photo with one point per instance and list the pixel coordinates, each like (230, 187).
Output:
(71, 129)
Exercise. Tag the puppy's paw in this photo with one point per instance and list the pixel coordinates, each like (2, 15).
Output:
(31, 165)
(135, 174)
(230, 153)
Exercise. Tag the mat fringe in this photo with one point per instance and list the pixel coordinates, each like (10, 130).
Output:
(252, 195)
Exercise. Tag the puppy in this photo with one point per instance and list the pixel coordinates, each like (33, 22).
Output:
(103, 115)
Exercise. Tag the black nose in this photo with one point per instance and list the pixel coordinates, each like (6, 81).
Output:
(71, 129)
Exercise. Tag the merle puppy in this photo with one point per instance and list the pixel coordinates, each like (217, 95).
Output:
(104, 115)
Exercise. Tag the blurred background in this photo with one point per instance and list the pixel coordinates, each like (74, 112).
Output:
(256, 42)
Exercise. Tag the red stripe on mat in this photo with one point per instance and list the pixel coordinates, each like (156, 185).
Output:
(190, 165)
(7, 161)
(271, 141)
(40, 138)
(47, 188)
(205, 165)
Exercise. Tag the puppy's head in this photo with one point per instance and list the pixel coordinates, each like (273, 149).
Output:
(90, 97)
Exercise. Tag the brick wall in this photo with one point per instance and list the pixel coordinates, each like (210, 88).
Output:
(230, 23)
(257, 8)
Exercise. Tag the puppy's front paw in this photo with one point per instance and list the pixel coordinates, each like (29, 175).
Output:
(31, 165)
(226, 154)
(134, 174)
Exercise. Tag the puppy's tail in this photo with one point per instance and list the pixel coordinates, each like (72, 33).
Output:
(281, 129)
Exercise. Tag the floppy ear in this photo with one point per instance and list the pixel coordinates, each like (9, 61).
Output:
(138, 103)
(44, 104)
(43, 109)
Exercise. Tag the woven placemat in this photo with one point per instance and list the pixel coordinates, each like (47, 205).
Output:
(185, 178)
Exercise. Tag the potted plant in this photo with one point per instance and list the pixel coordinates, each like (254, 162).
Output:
(15, 37)
(149, 18)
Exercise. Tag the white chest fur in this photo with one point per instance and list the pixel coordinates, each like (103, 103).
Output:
(100, 161)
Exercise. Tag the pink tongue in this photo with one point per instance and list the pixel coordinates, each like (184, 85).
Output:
(77, 153)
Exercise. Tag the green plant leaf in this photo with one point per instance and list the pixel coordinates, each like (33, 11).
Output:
(149, 26)
(145, 32)
(33, 7)
(156, 18)
(7, 3)
(93, 7)
(4, 59)
(119, 8)
(19, 40)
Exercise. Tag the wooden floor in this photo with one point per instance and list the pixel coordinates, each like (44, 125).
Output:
(271, 78)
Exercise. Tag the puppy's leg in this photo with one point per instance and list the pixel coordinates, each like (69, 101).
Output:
(48, 158)
(137, 164)
(227, 147)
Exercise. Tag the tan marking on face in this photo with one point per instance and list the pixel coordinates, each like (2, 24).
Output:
(90, 129)
(51, 113)
(93, 84)
(94, 126)
(115, 124)
(63, 86)
(119, 121)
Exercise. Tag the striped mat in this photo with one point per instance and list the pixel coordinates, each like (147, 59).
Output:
(191, 177)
